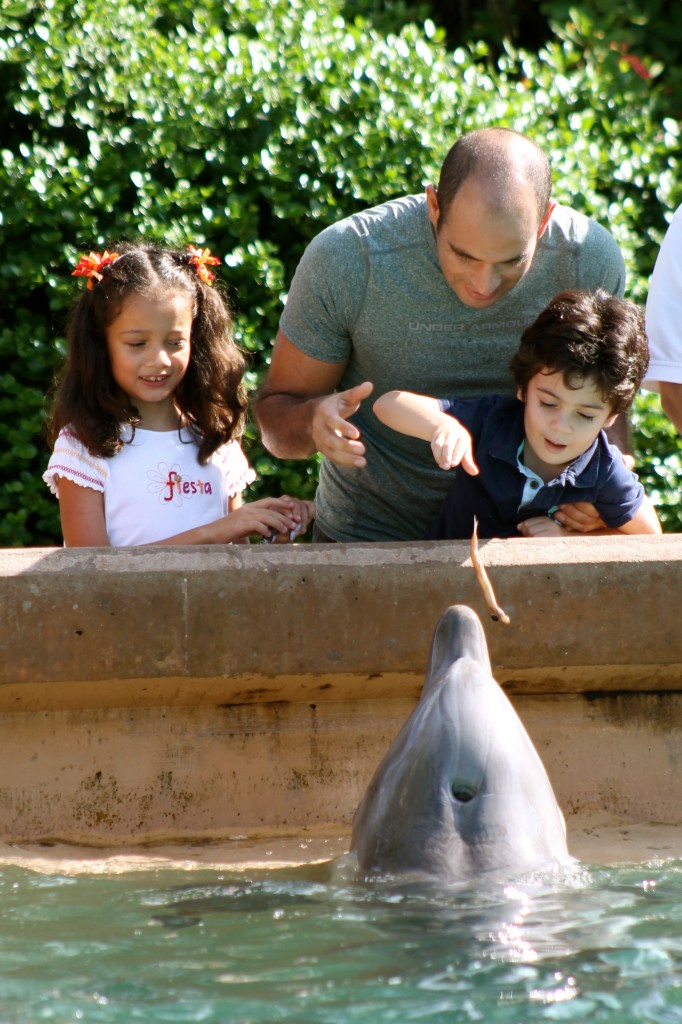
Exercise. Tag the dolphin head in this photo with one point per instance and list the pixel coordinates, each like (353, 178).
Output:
(462, 791)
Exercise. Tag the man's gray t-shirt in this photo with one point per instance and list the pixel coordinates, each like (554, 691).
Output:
(369, 292)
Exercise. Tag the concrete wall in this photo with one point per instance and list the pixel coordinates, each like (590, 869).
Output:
(148, 695)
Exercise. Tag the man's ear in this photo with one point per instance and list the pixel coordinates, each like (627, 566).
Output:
(551, 207)
(432, 205)
(521, 394)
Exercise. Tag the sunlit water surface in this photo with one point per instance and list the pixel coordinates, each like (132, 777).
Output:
(595, 944)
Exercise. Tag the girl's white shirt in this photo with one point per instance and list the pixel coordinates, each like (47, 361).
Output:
(155, 486)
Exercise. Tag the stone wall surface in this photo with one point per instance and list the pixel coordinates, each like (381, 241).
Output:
(148, 694)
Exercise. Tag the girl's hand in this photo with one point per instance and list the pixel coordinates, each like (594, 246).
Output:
(303, 513)
(452, 446)
(265, 517)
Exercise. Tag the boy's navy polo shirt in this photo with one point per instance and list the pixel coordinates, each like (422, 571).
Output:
(598, 476)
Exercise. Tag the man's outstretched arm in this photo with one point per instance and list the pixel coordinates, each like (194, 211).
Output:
(299, 413)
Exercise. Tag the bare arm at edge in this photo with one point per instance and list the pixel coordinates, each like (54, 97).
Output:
(671, 402)
(298, 412)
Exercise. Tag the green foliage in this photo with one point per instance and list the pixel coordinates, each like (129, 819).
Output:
(250, 125)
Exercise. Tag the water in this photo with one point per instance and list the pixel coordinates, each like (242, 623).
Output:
(595, 944)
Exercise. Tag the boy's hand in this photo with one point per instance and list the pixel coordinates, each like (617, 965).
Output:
(542, 526)
(451, 446)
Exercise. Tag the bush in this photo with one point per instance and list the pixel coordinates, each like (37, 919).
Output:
(249, 127)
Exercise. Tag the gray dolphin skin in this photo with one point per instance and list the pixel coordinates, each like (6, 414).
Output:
(462, 792)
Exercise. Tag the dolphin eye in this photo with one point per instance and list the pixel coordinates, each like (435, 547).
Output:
(462, 792)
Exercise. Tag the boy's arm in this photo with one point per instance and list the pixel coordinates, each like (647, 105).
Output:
(421, 416)
(644, 520)
(416, 415)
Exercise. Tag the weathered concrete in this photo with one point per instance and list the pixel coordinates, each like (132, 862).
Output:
(187, 693)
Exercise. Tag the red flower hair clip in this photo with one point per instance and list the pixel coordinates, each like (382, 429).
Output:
(92, 265)
(202, 259)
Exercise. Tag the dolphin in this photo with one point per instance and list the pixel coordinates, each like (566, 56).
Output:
(462, 792)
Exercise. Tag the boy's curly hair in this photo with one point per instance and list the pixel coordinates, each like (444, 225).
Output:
(587, 336)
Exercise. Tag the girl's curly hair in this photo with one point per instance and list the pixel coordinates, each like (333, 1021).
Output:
(211, 397)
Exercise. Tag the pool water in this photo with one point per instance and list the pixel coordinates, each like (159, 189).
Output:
(305, 944)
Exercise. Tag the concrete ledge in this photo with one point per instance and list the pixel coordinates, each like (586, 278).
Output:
(155, 695)
(93, 627)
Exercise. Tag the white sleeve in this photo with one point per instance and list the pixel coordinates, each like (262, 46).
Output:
(235, 467)
(664, 310)
(72, 460)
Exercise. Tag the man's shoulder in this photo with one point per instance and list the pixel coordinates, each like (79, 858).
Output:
(577, 252)
(398, 221)
(575, 228)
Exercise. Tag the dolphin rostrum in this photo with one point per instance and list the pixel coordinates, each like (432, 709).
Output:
(462, 791)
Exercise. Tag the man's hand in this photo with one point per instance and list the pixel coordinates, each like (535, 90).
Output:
(332, 434)
(580, 517)
(299, 411)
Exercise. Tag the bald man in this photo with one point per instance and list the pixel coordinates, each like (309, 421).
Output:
(427, 293)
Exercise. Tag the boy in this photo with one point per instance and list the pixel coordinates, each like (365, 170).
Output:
(578, 365)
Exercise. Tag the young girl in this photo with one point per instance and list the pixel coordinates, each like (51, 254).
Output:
(151, 405)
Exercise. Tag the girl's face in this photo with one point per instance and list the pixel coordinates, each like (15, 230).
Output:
(149, 345)
(560, 423)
